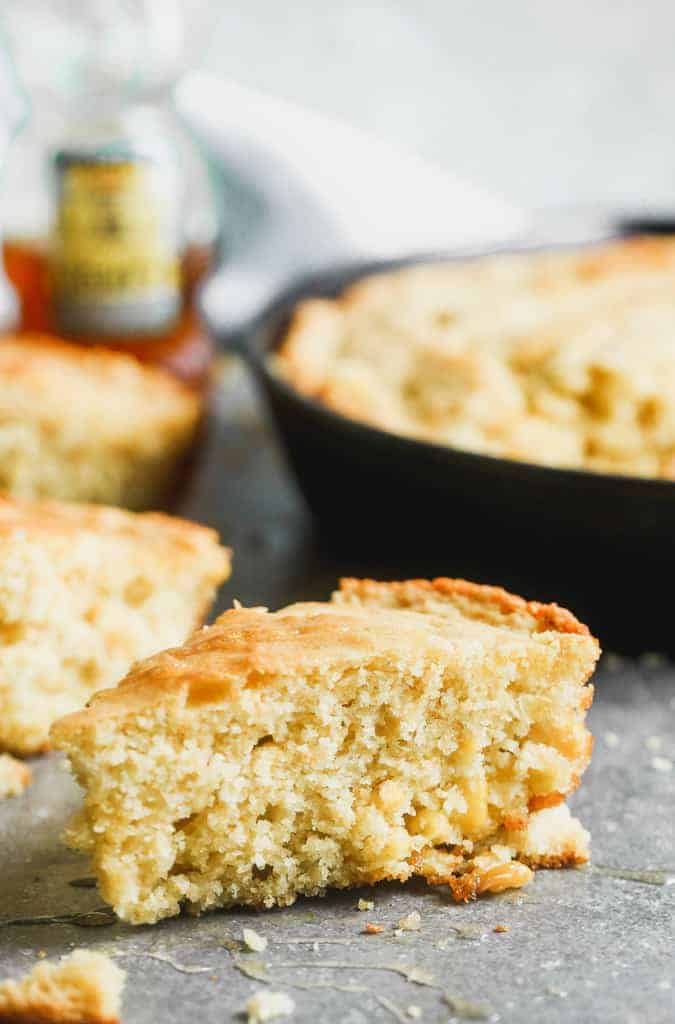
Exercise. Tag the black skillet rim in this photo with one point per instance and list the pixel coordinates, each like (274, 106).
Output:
(332, 281)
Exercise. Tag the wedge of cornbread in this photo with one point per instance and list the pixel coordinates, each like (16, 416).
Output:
(403, 729)
(84, 592)
(83, 988)
(90, 424)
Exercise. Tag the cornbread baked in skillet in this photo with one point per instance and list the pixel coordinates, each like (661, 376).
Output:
(85, 591)
(402, 729)
(559, 357)
(83, 988)
(90, 424)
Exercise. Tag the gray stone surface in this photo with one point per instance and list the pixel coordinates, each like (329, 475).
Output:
(582, 946)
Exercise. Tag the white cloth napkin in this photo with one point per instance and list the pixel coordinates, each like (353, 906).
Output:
(302, 190)
(385, 202)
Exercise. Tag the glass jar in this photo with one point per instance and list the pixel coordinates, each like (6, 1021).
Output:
(108, 217)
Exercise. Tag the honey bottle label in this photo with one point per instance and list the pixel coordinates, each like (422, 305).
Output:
(115, 249)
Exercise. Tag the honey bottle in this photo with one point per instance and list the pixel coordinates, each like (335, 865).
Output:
(108, 254)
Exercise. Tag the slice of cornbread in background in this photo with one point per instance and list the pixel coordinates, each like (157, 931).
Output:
(15, 776)
(84, 592)
(90, 424)
(83, 988)
(414, 728)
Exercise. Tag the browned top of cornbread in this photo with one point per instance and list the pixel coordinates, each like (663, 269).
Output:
(562, 357)
(50, 380)
(248, 646)
(486, 603)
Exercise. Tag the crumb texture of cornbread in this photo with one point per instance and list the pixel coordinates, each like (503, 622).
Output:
(83, 988)
(15, 776)
(84, 592)
(561, 357)
(90, 424)
(419, 728)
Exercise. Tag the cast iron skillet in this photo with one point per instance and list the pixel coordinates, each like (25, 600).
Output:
(601, 544)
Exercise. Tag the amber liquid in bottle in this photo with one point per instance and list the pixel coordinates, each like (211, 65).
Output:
(185, 350)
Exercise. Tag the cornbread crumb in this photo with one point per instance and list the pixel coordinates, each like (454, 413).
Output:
(500, 928)
(84, 592)
(83, 988)
(373, 929)
(560, 357)
(90, 424)
(662, 764)
(411, 922)
(466, 1009)
(414, 1012)
(418, 728)
(555, 990)
(253, 941)
(264, 1006)
(365, 905)
(15, 776)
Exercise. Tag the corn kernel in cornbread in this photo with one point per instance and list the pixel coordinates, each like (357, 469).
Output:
(84, 592)
(417, 728)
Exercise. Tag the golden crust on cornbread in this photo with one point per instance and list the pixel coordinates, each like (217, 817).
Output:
(559, 357)
(400, 729)
(481, 601)
(90, 424)
(84, 592)
(83, 988)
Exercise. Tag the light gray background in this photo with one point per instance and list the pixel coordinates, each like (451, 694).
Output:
(546, 103)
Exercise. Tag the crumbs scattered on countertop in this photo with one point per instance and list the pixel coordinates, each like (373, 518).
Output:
(264, 1006)
(466, 1009)
(253, 941)
(412, 922)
